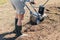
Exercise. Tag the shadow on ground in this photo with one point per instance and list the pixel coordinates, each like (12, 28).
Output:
(4, 34)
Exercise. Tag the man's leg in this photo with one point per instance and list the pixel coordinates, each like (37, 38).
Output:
(20, 18)
(16, 20)
(19, 6)
(18, 24)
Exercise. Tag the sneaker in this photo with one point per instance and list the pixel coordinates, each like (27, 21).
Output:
(44, 15)
(23, 35)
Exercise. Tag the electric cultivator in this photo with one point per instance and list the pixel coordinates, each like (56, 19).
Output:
(37, 16)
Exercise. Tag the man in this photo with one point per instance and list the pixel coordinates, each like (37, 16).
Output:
(19, 7)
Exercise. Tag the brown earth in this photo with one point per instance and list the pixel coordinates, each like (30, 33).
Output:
(49, 29)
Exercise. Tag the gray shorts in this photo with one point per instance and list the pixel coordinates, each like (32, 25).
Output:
(18, 6)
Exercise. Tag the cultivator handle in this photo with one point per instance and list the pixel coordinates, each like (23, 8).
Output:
(45, 3)
(40, 5)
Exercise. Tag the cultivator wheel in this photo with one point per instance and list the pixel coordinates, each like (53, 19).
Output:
(35, 21)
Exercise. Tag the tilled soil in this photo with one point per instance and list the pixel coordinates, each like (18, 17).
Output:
(49, 29)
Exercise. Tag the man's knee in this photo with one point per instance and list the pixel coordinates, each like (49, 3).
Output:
(20, 16)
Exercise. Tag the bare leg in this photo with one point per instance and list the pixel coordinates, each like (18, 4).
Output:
(20, 18)
(18, 24)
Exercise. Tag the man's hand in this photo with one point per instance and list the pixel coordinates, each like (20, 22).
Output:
(32, 2)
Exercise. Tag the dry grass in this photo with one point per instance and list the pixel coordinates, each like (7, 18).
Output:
(3, 2)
